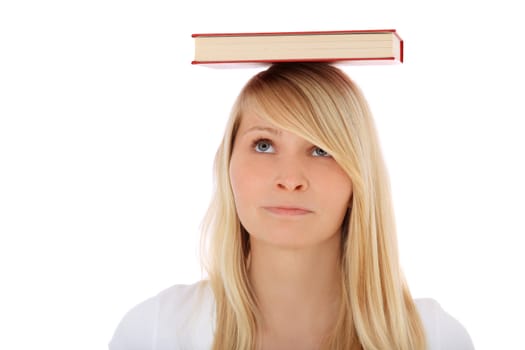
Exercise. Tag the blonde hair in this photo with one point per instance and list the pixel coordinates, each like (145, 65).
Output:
(320, 103)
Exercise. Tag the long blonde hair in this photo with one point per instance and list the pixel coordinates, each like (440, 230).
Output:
(320, 103)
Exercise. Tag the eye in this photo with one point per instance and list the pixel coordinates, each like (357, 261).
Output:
(319, 152)
(263, 146)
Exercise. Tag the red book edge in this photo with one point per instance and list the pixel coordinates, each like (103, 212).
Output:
(356, 60)
(364, 31)
(401, 47)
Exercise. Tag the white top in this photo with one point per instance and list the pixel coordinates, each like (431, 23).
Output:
(182, 317)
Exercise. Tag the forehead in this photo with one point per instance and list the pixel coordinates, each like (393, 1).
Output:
(267, 110)
(250, 118)
(273, 116)
(250, 122)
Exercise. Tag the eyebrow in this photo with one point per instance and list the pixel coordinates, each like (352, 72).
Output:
(263, 128)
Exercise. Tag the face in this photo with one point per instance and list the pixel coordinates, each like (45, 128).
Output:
(287, 191)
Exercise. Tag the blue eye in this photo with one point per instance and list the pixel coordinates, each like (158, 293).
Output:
(263, 146)
(319, 152)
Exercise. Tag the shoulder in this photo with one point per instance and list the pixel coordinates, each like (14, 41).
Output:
(179, 317)
(443, 331)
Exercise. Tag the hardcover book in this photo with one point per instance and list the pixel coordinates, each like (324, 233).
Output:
(326, 46)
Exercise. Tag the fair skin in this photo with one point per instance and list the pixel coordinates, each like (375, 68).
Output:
(291, 197)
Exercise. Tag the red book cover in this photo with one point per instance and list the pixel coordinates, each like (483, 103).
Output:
(299, 33)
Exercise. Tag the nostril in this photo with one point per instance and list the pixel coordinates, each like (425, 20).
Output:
(292, 185)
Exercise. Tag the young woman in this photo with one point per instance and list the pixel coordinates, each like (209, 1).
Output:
(300, 234)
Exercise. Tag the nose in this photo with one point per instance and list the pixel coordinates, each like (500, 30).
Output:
(291, 177)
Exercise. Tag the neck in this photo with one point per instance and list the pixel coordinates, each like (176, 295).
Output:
(297, 286)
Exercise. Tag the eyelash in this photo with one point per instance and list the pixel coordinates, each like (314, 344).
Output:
(256, 142)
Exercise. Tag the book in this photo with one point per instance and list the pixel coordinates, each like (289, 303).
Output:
(383, 45)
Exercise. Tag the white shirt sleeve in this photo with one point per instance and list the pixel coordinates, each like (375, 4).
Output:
(178, 318)
(136, 330)
(443, 331)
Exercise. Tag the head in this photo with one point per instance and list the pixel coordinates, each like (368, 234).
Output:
(327, 161)
(318, 105)
(288, 191)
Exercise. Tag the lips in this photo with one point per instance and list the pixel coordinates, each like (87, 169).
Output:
(288, 211)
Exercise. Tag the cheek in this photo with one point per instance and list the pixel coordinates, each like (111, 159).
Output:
(346, 189)
(345, 193)
(243, 177)
(234, 176)
(337, 200)
(337, 191)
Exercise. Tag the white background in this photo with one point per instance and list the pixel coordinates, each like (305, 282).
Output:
(107, 135)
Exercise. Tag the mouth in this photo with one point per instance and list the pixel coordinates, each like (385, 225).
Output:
(288, 211)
